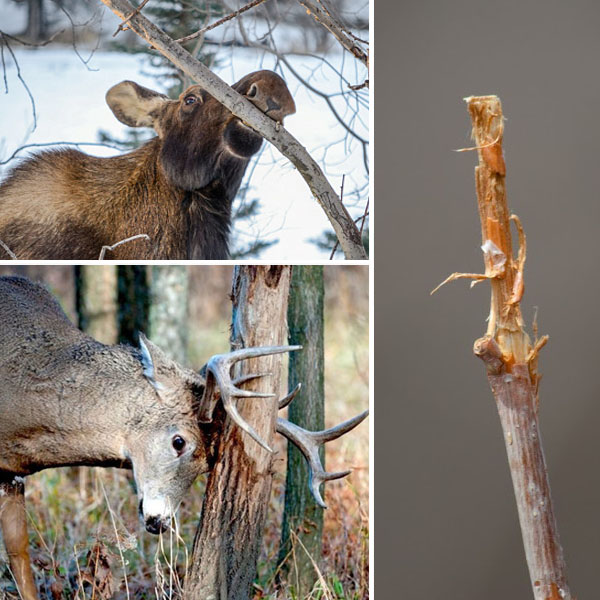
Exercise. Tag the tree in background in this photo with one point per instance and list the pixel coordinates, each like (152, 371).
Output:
(133, 301)
(96, 302)
(302, 529)
(168, 317)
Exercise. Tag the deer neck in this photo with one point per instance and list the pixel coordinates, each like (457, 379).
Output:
(80, 410)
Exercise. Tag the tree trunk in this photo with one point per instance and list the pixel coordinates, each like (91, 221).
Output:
(36, 23)
(302, 515)
(133, 302)
(168, 316)
(96, 302)
(228, 538)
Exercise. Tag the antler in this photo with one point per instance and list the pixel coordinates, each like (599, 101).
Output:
(308, 442)
(218, 372)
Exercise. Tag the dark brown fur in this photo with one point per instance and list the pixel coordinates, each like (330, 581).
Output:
(178, 188)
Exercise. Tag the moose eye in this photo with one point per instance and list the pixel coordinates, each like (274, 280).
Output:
(178, 444)
(189, 100)
(252, 91)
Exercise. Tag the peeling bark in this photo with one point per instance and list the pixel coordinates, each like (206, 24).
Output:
(228, 539)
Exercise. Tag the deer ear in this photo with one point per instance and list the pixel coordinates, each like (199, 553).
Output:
(134, 104)
(148, 362)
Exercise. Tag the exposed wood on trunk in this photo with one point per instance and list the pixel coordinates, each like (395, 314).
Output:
(302, 514)
(229, 536)
(511, 359)
(341, 221)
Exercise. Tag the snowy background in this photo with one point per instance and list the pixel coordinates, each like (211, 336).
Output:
(68, 84)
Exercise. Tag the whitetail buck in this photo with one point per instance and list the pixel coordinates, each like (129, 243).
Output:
(66, 400)
(177, 188)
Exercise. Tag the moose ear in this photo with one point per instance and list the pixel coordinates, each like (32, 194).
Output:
(134, 104)
(148, 362)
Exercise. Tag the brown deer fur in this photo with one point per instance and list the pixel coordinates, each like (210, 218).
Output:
(177, 188)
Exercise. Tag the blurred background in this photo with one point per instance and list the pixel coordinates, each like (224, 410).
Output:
(60, 57)
(446, 521)
(69, 508)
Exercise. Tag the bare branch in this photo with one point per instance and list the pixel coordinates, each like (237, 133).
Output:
(43, 145)
(4, 41)
(230, 16)
(129, 239)
(337, 30)
(342, 222)
(8, 250)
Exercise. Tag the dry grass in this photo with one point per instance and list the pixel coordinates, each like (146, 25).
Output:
(87, 541)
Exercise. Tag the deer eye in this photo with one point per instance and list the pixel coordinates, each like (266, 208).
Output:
(252, 91)
(189, 100)
(178, 444)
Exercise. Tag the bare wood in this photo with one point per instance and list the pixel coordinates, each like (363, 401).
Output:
(510, 359)
(341, 221)
(228, 539)
(119, 243)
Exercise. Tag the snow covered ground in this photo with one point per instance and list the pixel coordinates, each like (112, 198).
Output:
(70, 107)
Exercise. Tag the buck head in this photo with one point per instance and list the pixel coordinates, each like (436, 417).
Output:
(198, 135)
(167, 448)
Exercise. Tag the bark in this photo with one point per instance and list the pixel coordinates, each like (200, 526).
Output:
(96, 302)
(228, 539)
(345, 228)
(168, 316)
(511, 359)
(301, 514)
(133, 300)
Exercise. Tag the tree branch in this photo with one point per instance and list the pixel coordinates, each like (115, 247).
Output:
(337, 30)
(340, 219)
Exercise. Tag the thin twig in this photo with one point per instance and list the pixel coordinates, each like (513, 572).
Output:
(46, 144)
(230, 16)
(122, 25)
(3, 37)
(8, 250)
(129, 239)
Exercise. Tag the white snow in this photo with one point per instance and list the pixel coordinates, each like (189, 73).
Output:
(70, 106)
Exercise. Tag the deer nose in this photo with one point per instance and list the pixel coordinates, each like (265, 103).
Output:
(155, 525)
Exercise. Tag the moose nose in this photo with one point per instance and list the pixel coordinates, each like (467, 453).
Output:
(272, 105)
(155, 525)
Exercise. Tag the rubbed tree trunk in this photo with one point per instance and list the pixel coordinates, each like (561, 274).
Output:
(168, 320)
(96, 302)
(133, 299)
(229, 536)
(302, 515)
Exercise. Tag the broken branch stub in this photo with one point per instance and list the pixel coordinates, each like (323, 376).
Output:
(511, 359)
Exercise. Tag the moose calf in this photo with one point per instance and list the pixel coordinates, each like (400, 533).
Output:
(66, 399)
(177, 189)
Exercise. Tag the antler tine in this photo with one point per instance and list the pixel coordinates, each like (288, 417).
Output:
(218, 370)
(287, 399)
(308, 443)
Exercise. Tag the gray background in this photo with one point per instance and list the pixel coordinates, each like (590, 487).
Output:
(446, 523)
